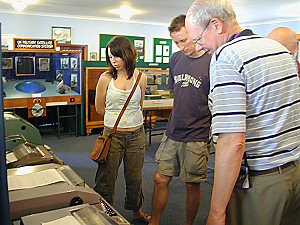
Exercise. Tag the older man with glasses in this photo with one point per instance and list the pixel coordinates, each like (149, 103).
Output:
(255, 106)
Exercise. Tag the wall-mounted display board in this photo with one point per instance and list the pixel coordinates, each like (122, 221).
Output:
(138, 43)
(162, 50)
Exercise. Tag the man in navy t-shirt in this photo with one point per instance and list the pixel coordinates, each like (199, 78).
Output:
(184, 148)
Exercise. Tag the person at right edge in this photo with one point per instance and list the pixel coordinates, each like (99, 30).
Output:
(255, 97)
(184, 148)
(288, 38)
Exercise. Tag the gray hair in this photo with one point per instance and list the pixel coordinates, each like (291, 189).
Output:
(202, 11)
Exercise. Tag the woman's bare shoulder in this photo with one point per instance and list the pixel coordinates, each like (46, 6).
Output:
(106, 74)
(104, 79)
(136, 73)
(143, 76)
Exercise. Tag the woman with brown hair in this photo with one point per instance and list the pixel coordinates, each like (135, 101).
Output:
(129, 141)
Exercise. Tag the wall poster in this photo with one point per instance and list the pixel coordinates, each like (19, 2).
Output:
(162, 50)
(138, 43)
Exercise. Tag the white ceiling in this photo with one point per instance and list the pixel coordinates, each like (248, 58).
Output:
(158, 11)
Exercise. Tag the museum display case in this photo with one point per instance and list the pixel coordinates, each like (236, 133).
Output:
(35, 80)
(39, 80)
(157, 78)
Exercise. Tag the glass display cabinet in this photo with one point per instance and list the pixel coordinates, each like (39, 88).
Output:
(35, 80)
(157, 89)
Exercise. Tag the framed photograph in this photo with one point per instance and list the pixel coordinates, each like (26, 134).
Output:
(25, 65)
(59, 75)
(139, 45)
(63, 35)
(74, 80)
(64, 63)
(74, 63)
(166, 49)
(93, 56)
(44, 64)
(7, 63)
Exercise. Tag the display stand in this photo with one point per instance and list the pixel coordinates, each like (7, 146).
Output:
(92, 72)
(92, 118)
(37, 79)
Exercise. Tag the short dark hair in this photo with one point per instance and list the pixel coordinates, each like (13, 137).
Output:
(177, 23)
(121, 47)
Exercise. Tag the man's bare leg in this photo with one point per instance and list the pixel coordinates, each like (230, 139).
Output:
(192, 201)
(160, 197)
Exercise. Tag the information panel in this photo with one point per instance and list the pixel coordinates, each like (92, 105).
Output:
(162, 50)
(20, 43)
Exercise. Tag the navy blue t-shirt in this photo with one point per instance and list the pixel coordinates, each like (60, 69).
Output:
(190, 118)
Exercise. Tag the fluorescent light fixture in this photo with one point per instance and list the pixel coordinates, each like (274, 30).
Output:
(19, 5)
(125, 12)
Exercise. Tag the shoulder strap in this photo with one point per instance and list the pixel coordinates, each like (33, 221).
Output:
(126, 103)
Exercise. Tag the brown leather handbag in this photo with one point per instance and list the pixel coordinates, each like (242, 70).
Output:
(102, 145)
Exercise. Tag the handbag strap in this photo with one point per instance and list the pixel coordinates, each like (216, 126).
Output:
(126, 103)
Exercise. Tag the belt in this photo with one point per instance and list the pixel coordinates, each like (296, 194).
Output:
(276, 169)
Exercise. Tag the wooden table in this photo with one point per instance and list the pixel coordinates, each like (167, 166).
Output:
(159, 107)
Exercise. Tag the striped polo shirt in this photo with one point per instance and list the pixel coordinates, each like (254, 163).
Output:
(254, 88)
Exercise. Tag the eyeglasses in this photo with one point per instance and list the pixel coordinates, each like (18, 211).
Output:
(200, 36)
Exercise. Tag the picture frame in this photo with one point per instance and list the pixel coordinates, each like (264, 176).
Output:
(64, 63)
(59, 75)
(7, 63)
(73, 79)
(74, 63)
(44, 64)
(25, 65)
(63, 35)
(93, 56)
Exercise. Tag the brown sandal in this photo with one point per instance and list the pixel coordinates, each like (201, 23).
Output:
(144, 217)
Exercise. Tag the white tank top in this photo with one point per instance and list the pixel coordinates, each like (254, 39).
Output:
(115, 100)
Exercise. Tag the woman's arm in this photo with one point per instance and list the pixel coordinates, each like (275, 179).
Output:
(101, 90)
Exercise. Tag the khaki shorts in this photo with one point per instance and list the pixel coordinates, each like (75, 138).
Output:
(185, 159)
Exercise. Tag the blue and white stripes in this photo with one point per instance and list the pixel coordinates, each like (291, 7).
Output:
(255, 89)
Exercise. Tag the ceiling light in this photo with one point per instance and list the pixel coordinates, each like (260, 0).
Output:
(19, 5)
(125, 12)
